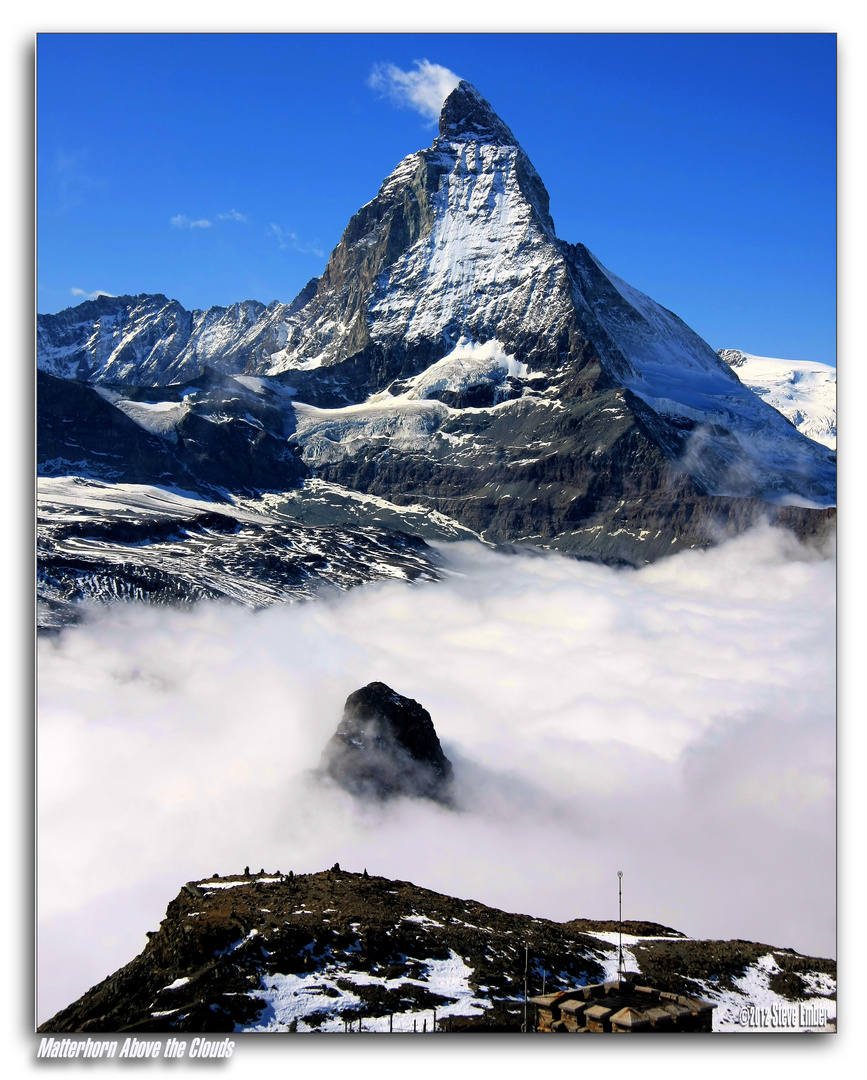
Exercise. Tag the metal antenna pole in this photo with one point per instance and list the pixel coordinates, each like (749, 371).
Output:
(526, 963)
(620, 921)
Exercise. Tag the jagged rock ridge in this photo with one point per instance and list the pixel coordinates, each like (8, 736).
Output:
(386, 745)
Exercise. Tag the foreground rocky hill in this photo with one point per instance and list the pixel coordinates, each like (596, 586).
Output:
(327, 951)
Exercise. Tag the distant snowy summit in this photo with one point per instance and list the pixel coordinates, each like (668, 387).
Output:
(804, 391)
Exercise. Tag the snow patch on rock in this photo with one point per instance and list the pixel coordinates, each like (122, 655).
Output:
(470, 363)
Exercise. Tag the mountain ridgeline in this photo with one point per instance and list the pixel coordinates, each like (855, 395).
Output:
(339, 951)
(456, 366)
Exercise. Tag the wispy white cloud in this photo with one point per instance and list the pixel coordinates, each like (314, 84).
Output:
(424, 89)
(181, 221)
(71, 179)
(233, 215)
(91, 295)
(288, 240)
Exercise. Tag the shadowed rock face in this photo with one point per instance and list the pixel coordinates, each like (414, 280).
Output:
(386, 745)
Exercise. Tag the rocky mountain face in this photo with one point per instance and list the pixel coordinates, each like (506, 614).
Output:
(456, 362)
(386, 745)
(338, 951)
(99, 543)
(142, 340)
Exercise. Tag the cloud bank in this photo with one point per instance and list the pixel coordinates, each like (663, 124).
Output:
(424, 89)
(676, 723)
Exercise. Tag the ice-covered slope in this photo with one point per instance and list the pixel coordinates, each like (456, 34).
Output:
(99, 542)
(804, 391)
(735, 445)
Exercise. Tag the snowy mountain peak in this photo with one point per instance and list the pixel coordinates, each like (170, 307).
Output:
(478, 141)
(466, 115)
(454, 353)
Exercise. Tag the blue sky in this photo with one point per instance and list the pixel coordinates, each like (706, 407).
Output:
(699, 167)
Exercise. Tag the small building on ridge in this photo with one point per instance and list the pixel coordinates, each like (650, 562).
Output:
(621, 1006)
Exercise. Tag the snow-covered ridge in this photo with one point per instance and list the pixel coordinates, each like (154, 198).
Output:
(158, 417)
(469, 364)
(108, 542)
(804, 391)
(407, 419)
(143, 340)
(75, 498)
(488, 258)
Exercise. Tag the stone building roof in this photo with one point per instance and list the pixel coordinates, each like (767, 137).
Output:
(621, 1006)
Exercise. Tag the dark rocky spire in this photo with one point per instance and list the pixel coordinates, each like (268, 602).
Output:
(386, 745)
(466, 115)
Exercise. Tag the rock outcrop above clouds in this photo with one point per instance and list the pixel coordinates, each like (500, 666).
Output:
(385, 746)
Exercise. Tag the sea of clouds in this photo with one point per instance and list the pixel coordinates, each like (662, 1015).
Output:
(676, 723)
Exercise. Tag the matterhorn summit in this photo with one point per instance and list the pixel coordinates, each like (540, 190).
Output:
(457, 242)
(457, 370)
